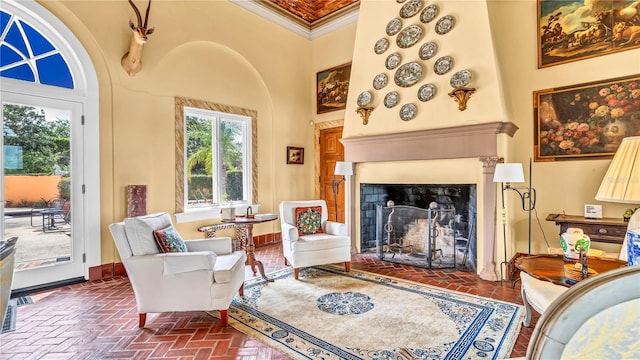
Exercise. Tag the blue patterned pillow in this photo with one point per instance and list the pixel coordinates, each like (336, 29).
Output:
(309, 220)
(168, 240)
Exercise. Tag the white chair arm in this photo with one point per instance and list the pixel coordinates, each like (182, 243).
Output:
(219, 245)
(335, 228)
(177, 263)
(289, 232)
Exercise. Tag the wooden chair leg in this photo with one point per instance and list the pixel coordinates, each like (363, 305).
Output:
(296, 272)
(286, 263)
(142, 318)
(347, 266)
(241, 290)
(224, 317)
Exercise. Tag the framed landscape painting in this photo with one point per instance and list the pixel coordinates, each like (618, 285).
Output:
(571, 30)
(332, 86)
(585, 121)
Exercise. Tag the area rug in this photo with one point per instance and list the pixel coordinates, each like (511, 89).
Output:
(330, 314)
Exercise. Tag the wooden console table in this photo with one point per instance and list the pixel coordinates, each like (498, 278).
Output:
(605, 230)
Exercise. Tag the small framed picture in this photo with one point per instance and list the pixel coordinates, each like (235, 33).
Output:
(295, 155)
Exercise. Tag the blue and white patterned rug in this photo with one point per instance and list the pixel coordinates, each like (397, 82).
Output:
(330, 314)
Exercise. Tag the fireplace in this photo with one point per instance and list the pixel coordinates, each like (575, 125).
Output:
(454, 156)
(430, 226)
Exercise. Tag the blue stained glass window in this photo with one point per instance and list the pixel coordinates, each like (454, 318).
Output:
(49, 68)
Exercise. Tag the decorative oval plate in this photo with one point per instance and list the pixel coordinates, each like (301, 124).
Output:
(394, 26)
(443, 65)
(391, 99)
(408, 74)
(460, 79)
(364, 98)
(400, 1)
(380, 81)
(427, 50)
(408, 112)
(426, 92)
(393, 60)
(429, 13)
(381, 46)
(409, 36)
(444, 24)
(410, 9)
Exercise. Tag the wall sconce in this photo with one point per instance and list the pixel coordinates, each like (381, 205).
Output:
(461, 96)
(364, 113)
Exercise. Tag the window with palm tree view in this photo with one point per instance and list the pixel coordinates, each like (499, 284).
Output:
(218, 160)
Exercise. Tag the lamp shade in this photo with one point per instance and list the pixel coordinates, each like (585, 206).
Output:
(508, 173)
(621, 182)
(343, 168)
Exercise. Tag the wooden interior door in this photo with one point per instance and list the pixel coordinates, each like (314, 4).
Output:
(331, 150)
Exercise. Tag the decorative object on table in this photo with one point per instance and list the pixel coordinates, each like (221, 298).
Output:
(136, 200)
(342, 168)
(424, 326)
(408, 111)
(585, 121)
(408, 74)
(410, 9)
(295, 155)
(571, 30)
(627, 214)
(592, 211)
(391, 99)
(573, 242)
(394, 26)
(512, 172)
(381, 46)
(393, 60)
(429, 13)
(364, 98)
(444, 24)
(409, 36)
(443, 65)
(621, 183)
(332, 88)
(426, 92)
(573, 271)
(427, 50)
(380, 81)
(364, 113)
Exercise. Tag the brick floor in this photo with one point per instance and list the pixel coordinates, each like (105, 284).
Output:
(98, 320)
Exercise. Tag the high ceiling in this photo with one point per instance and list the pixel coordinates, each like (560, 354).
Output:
(311, 13)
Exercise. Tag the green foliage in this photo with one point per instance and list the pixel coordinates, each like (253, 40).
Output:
(234, 185)
(200, 188)
(44, 143)
(64, 188)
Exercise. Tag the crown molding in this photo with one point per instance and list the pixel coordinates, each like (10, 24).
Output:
(307, 30)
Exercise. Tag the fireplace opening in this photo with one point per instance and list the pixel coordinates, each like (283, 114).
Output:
(430, 226)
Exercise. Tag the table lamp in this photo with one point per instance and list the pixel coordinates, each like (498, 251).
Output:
(621, 184)
(342, 168)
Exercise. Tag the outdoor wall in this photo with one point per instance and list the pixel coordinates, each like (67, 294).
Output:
(30, 189)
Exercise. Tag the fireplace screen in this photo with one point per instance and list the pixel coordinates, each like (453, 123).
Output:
(429, 238)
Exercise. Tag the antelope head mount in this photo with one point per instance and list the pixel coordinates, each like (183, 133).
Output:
(132, 60)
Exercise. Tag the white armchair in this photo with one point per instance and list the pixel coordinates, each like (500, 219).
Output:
(332, 245)
(206, 277)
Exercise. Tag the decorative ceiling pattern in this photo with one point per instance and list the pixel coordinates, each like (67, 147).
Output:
(311, 13)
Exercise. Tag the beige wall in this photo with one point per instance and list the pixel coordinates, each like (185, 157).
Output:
(219, 52)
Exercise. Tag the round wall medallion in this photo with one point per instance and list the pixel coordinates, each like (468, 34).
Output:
(393, 60)
(364, 98)
(408, 74)
(427, 50)
(381, 46)
(443, 65)
(380, 81)
(393, 27)
(444, 24)
(408, 112)
(391, 99)
(429, 13)
(460, 79)
(410, 9)
(426, 92)
(409, 36)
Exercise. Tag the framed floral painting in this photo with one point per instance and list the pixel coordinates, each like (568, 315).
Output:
(571, 30)
(585, 121)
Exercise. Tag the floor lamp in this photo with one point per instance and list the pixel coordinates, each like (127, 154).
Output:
(621, 183)
(342, 168)
(506, 174)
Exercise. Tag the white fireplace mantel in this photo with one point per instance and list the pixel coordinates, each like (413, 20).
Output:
(465, 141)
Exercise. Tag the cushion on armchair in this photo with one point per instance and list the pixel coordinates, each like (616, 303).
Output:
(140, 229)
(309, 220)
(169, 241)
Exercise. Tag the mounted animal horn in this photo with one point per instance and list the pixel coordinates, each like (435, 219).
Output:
(132, 60)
